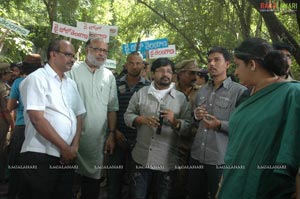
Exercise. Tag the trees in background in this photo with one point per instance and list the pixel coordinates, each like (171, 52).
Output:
(192, 25)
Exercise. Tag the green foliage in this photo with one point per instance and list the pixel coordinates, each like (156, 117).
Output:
(193, 26)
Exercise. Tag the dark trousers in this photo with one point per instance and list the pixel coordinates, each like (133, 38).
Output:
(119, 175)
(146, 181)
(44, 177)
(4, 127)
(203, 183)
(15, 146)
(88, 188)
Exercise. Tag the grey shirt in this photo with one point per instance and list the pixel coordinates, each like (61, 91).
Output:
(210, 145)
(157, 151)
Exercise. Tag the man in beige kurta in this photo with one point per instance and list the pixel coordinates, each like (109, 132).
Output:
(97, 87)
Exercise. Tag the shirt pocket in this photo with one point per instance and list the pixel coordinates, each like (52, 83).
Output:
(103, 92)
(223, 107)
(223, 102)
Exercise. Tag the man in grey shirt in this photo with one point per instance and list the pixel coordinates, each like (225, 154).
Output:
(213, 105)
(155, 153)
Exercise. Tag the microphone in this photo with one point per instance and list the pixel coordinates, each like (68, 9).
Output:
(161, 119)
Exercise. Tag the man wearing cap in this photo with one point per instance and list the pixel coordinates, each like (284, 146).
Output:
(6, 120)
(31, 63)
(286, 49)
(186, 72)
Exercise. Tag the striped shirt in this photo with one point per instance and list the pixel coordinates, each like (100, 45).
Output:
(124, 94)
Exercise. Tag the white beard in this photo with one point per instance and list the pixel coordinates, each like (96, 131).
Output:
(93, 61)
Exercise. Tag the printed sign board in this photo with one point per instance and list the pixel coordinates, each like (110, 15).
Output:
(70, 31)
(145, 45)
(170, 51)
(11, 26)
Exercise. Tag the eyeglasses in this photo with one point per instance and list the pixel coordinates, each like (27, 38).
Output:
(99, 50)
(69, 55)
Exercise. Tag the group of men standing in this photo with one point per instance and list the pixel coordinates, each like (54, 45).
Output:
(77, 110)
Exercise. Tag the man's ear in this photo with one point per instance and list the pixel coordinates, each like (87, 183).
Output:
(227, 64)
(252, 65)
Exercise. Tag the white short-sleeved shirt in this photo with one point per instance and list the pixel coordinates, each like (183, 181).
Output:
(43, 90)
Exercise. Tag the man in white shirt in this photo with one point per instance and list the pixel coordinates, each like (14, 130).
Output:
(53, 115)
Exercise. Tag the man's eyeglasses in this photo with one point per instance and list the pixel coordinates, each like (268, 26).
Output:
(69, 55)
(99, 50)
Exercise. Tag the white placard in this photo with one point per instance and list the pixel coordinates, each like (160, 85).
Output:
(112, 64)
(170, 51)
(95, 30)
(70, 31)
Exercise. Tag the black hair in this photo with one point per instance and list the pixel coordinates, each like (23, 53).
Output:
(253, 49)
(203, 75)
(29, 68)
(162, 62)
(223, 51)
(282, 46)
(53, 46)
(276, 62)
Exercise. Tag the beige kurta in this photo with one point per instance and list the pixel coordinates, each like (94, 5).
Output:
(99, 94)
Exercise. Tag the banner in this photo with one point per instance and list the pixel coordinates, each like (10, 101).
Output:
(145, 45)
(11, 26)
(111, 64)
(170, 51)
(95, 30)
(70, 31)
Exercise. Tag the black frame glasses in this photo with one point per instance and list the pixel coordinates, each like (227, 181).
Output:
(69, 55)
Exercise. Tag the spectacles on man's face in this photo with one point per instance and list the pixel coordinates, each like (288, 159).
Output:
(68, 55)
(99, 50)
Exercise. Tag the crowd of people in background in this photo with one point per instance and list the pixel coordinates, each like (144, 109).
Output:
(163, 130)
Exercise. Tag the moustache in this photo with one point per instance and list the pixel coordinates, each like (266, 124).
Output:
(163, 78)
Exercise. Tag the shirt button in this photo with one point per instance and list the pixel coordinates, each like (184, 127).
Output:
(205, 130)
(150, 149)
(203, 144)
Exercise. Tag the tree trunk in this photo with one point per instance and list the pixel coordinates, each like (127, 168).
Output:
(51, 6)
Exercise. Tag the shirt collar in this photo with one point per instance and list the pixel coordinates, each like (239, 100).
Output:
(52, 73)
(96, 69)
(226, 83)
(124, 79)
(172, 91)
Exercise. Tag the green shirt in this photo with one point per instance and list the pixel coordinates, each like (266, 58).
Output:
(264, 141)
